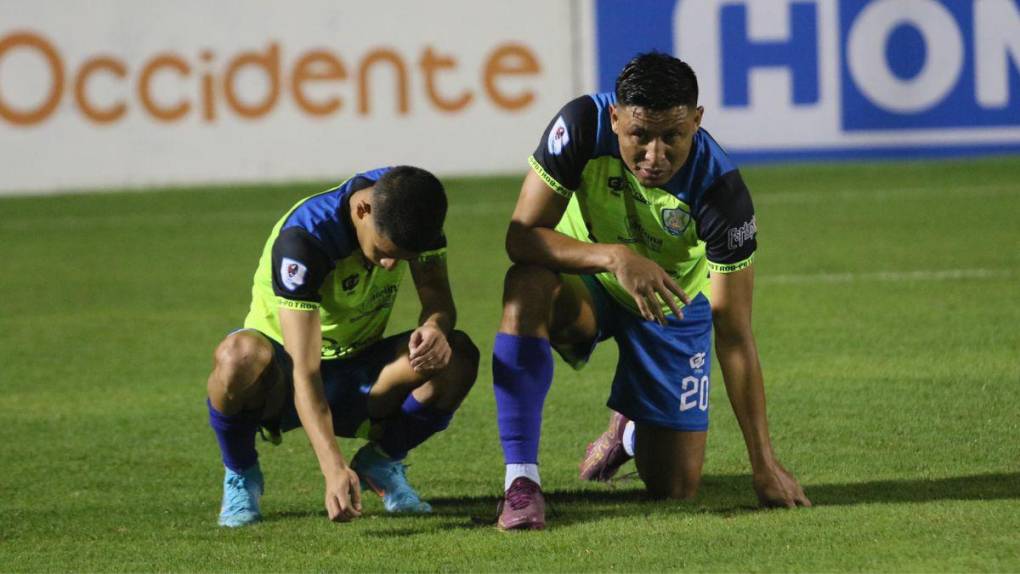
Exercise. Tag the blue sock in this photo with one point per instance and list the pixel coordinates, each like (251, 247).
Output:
(236, 435)
(522, 371)
(413, 426)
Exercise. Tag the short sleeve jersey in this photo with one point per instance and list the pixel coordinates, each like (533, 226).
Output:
(312, 262)
(701, 220)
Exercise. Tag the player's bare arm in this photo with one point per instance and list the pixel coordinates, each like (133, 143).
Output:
(429, 346)
(303, 340)
(738, 357)
(532, 238)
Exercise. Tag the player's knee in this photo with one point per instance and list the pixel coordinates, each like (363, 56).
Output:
(465, 361)
(528, 291)
(239, 362)
(529, 283)
(675, 487)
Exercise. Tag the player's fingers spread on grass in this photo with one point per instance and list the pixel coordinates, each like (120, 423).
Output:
(347, 509)
(332, 507)
(802, 499)
(779, 502)
(356, 494)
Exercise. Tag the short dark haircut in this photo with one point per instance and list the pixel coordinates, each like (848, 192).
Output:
(657, 81)
(410, 207)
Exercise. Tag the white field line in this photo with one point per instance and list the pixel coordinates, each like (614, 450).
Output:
(75, 222)
(923, 275)
(880, 194)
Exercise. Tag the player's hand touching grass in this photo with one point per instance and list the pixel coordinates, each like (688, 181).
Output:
(343, 495)
(777, 488)
(649, 285)
(429, 350)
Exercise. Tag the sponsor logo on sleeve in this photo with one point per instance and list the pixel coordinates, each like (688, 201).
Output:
(558, 137)
(292, 273)
(737, 236)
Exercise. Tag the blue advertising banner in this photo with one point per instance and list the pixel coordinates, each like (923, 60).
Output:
(816, 79)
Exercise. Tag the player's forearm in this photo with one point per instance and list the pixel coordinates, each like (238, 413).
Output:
(746, 390)
(313, 410)
(442, 319)
(553, 250)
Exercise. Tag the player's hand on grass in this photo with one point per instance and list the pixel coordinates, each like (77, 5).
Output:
(777, 488)
(429, 350)
(343, 495)
(649, 284)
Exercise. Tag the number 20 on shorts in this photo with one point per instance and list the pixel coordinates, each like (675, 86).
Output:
(694, 393)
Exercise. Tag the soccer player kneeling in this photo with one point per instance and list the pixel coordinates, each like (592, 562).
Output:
(628, 208)
(312, 351)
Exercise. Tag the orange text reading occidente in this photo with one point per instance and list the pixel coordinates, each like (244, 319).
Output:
(319, 81)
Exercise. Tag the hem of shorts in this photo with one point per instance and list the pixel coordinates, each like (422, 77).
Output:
(661, 423)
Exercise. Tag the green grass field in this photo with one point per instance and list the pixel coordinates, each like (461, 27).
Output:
(887, 315)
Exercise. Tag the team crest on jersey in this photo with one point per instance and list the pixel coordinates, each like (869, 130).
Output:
(350, 282)
(292, 273)
(558, 137)
(675, 220)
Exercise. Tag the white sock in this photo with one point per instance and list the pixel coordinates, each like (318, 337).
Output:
(515, 470)
(628, 438)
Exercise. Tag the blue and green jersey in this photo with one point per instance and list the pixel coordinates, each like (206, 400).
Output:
(701, 221)
(312, 262)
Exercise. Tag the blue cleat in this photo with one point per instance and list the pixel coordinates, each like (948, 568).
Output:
(241, 493)
(387, 477)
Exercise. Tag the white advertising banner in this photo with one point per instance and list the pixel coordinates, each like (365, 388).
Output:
(120, 93)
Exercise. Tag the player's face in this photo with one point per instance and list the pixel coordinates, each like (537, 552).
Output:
(382, 252)
(375, 247)
(655, 144)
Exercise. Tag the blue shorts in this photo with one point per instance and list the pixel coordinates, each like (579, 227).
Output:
(346, 382)
(662, 376)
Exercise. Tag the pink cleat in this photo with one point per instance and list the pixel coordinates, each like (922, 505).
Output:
(606, 455)
(522, 507)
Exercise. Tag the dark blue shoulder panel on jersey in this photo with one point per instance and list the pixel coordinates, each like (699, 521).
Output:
(605, 140)
(322, 215)
(707, 162)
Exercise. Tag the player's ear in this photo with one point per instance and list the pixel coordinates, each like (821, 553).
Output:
(613, 118)
(699, 113)
(364, 208)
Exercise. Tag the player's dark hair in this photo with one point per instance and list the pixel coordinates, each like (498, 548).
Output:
(657, 81)
(410, 207)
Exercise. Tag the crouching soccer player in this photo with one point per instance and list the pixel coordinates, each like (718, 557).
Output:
(311, 352)
(628, 207)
